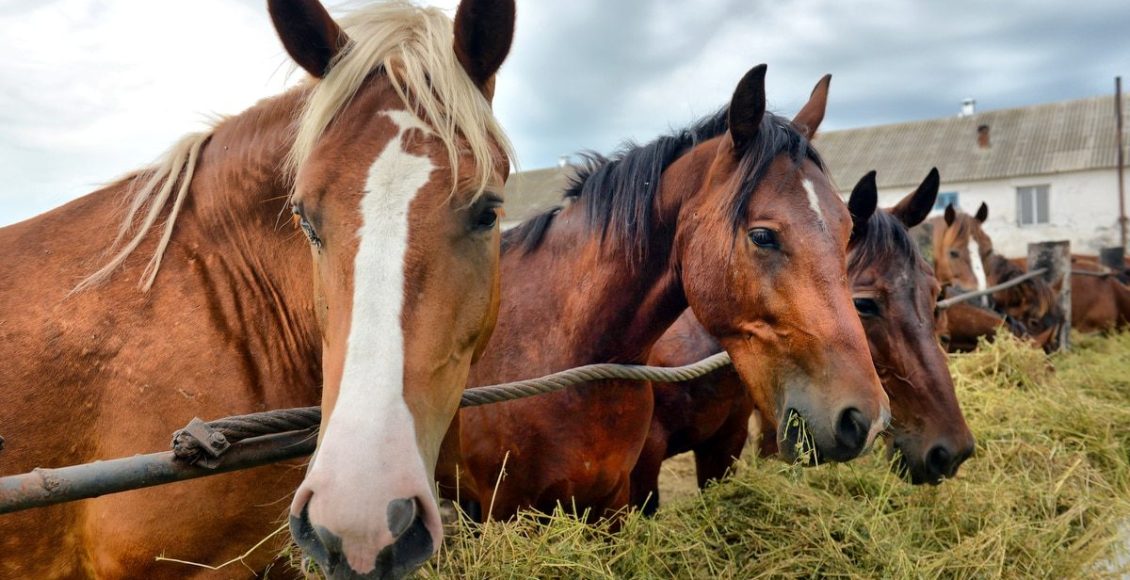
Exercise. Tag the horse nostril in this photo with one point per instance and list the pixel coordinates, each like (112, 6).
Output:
(940, 462)
(314, 542)
(413, 545)
(963, 453)
(852, 430)
(401, 513)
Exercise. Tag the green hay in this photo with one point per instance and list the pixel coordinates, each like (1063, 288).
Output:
(1043, 497)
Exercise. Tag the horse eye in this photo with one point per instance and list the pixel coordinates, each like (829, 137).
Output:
(484, 212)
(306, 227)
(764, 238)
(866, 306)
(485, 219)
(955, 254)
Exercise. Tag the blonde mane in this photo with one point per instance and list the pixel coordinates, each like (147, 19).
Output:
(412, 45)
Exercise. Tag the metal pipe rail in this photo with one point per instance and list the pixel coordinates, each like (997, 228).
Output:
(233, 443)
(1107, 274)
(948, 302)
(44, 487)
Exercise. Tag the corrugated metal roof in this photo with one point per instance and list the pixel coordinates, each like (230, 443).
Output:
(1040, 139)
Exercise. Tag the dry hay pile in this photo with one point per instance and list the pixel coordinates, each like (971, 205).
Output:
(1044, 496)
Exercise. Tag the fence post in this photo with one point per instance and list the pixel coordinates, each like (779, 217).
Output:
(1113, 258)
(1056, 257)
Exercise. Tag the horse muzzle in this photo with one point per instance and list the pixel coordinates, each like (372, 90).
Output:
(412, 545)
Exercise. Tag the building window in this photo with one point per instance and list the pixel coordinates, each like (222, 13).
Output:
(1033, 205)
(944, 200)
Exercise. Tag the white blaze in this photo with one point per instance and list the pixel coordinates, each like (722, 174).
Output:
(368, 455)
(978, 267)
(813, 200)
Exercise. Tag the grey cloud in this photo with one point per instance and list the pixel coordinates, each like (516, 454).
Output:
(583, 67)
(592, 73)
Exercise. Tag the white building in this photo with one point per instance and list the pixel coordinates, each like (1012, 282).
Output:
(1047, 172)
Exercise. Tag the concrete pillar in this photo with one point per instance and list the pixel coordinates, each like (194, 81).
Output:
(1056, 257)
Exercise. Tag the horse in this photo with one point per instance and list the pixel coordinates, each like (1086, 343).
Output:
(964, 260)
(962, 325)
(895, 293)
(391, 164)
(734, 217)
(1100, 302)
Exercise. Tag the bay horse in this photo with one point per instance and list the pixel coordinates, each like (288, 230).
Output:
(962, 325)
(965, 260)
(391, 163)
(895, 293)
(734, 217)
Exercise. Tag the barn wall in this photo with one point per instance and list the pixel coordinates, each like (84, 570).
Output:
(1084, 209)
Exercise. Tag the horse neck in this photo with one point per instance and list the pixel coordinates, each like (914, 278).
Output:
(588, 297)
(235, 226)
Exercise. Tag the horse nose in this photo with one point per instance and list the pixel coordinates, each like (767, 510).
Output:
(412, 543)
(942, 461)
(852, 430)
(323, 547)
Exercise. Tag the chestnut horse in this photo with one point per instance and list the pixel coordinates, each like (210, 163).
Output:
(734, 217)
(1099, 302)
(895, 293)
(964, 260)
(391, 161)
(1100, 296)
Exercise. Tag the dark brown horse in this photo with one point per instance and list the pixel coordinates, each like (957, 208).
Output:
(734, 217)
(391, 161)
(964, 260)
(894, 294)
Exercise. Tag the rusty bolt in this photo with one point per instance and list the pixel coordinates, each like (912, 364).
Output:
(217, 440)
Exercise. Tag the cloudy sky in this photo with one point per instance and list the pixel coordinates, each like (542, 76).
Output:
(90, 89)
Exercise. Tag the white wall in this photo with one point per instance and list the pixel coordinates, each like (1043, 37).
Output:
(1084, 209)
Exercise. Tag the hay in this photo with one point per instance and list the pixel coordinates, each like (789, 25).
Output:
(1044, 497)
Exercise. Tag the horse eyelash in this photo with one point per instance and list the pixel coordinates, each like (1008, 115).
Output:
(307, 229)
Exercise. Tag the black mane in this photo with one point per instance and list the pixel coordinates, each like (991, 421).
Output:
(617, 193)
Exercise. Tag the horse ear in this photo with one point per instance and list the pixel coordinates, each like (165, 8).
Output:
(951, 215)
(308, 33)
(862, 203)
(808, 120)
(484, 30)
(747, 108)
(982, 213)
(914, 208)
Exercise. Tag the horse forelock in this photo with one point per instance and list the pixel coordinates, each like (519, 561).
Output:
(886, 240)
(412, 47)
(776, 136)
(964, 228)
